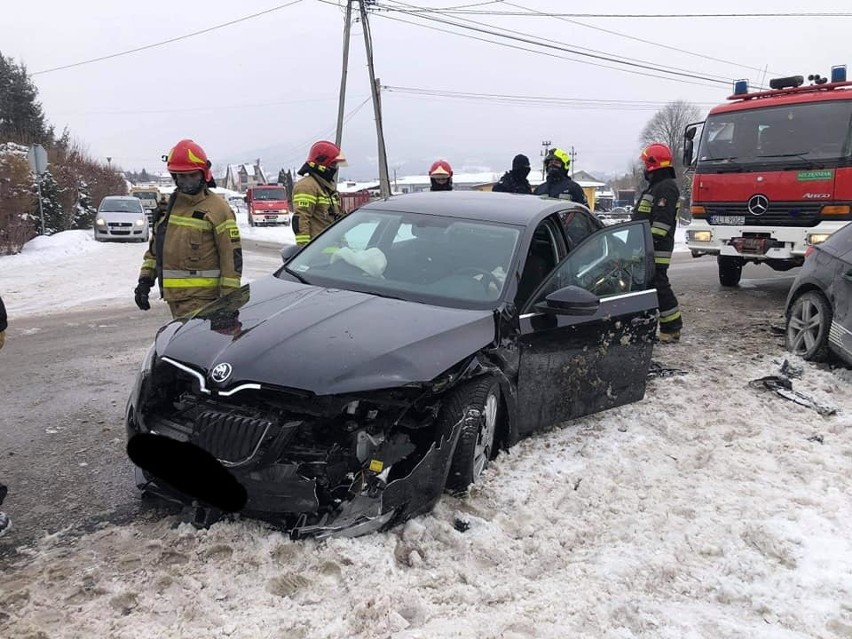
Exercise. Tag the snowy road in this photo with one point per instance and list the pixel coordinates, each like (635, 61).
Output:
(709, 509)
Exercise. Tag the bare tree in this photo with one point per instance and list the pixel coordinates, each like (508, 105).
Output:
(667, 126)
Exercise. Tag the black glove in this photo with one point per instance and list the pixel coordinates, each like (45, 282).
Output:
(141, 293)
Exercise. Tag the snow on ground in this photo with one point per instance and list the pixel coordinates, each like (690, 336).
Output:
(707, 510)
(71, 271)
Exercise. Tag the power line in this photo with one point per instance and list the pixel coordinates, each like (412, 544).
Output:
(636, 39)
(194, 109)
(537, 41)
(528, 100)
(820, 14)
(169, 41)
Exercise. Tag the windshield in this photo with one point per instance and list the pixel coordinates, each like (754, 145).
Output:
(146, 195)
(432, 259)
(121, 206)
(784, 135)
(268, 194)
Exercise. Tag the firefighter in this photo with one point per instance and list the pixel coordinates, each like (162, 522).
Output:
(658, 204)
(515, 181)
(558, 183)
(441, 176)
(315, 197)
(195, 250)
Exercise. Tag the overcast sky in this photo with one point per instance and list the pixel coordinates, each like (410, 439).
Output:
(267, 87)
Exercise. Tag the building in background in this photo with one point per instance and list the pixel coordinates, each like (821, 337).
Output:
(239, 177)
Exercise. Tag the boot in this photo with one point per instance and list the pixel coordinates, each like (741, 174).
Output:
(669, 338)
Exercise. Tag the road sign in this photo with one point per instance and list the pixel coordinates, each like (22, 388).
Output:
(37, 157)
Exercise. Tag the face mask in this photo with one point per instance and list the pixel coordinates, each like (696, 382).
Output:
(647, 174)
(554, 173)
(522, 171)
(189, 183)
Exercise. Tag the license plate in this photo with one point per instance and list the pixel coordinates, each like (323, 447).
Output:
(729, 220)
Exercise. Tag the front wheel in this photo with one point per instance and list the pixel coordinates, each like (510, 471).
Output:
(730, 270)
(807, 327)
(477, 406)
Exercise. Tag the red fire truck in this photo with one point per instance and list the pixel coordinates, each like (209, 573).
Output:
(773, 173)
(267, 205)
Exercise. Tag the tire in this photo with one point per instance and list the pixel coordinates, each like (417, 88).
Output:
(476, 445)
(808, 324)
(730, 270)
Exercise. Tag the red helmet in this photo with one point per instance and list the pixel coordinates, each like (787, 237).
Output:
(441, 169)
(324, 153)
(187, 156)
(657, 156)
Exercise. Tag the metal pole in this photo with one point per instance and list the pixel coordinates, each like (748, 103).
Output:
(40, 207)
(573, 157)
(384, 179)
(347, 28)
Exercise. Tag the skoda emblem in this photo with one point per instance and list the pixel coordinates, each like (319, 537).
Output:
(220, 372)
(758, 204)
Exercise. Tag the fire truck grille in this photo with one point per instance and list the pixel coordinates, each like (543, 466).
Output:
(778, 214)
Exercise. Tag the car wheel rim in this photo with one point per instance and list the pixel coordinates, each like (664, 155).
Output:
(485, 437)
(803, 331)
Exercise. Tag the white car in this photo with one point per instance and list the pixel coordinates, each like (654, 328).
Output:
(121, 217)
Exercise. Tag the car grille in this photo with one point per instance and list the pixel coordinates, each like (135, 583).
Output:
(114, 225)
(778, 214)
(230, 438)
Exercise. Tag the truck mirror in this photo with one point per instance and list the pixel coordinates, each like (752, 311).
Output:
(687, 152)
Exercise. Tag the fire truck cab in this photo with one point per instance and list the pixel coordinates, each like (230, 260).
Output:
(773, 173)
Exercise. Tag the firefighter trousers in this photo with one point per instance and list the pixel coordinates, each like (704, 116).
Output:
(670, 318)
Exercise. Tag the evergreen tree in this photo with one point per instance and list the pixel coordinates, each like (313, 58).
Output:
(51, 202)
(21, 116)
(144, 176)
(83, 216)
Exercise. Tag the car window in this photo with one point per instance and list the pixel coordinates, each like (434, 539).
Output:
(578, 225)
(121, 206)
(840, 242)
(542, 257)
(610, 262)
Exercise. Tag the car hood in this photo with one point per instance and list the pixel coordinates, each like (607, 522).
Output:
(116, 216)
(327, 341)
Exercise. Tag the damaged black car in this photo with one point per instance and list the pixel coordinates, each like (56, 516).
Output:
(391, 358)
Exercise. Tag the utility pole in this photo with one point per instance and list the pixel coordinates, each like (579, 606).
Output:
(347, 28)
(573, 158)
(384, 179)
(109, 163)
(546, 144)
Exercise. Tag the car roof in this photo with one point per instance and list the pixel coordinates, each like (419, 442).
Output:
(120, 197)
(505, 208)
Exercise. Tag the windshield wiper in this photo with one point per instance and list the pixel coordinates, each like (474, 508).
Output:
(296, 275)
(386, 295)
(728, 159)
(811, 163)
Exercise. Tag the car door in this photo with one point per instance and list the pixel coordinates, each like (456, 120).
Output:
(575, 365)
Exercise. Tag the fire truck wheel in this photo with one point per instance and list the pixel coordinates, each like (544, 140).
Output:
(730, 270)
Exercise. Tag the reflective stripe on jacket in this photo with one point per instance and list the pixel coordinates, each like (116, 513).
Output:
(201, 255)
(317, 204)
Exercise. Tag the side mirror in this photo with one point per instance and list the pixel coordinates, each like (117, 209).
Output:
(687, 152)
(288, 251)
(245, 199)
(570, 300)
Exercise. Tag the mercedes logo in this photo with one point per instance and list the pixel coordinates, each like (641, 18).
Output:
(220, 372)
(758, 204)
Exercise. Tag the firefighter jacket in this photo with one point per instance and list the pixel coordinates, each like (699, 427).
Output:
(317, 204)
(658, 205)
(563, 188)
(195, 250)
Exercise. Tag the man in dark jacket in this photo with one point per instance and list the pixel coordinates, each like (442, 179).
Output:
(515, 181)
(658, 205)
(559, 184)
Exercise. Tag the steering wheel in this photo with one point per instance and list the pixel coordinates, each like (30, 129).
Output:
(617, 279)
(487, 276)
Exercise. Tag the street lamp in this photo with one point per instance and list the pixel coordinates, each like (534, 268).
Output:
(109, 163)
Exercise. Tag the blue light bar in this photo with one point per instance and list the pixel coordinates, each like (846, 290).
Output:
(740, 87)
(838, 73)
